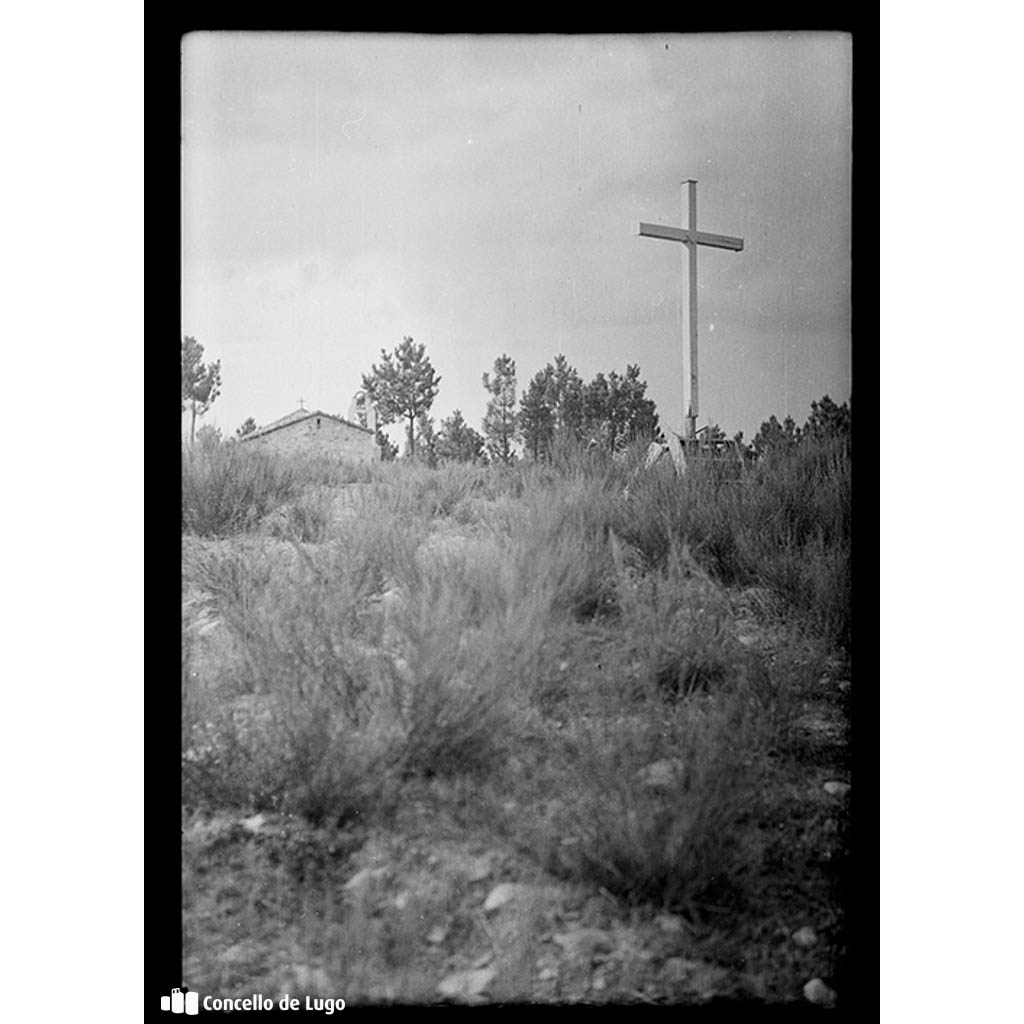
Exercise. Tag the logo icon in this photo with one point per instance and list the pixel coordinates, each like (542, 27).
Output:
(180, 1002)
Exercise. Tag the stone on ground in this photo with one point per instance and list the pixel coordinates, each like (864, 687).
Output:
(466, 984)
(817, 992)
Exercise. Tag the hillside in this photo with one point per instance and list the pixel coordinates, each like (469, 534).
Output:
(557, 733)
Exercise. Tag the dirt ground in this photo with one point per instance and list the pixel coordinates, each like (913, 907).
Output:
(444, 900)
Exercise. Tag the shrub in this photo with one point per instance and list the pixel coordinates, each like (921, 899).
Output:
(308, 518)
(229, 488)
(786, 525)
(353, 691)
(655, 806)
(679, 626)
(417, 491)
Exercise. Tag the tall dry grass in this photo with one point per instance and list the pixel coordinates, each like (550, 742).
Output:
(414, 637)
(784, 524)
(231, 487)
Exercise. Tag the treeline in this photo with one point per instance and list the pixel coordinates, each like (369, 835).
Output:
(827, 421)
(611, 411)
(557, 406)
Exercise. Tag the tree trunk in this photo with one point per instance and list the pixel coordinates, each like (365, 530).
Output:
(192, 433)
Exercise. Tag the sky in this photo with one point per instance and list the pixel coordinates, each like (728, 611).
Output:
(482, 195)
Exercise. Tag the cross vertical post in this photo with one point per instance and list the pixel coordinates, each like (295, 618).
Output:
(691, 413)
(691, 238)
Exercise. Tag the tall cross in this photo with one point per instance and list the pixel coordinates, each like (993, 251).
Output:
(691, 238)
(301, 406)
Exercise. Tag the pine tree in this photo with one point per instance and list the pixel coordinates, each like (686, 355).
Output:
(828, 420)
(388, 449)
(501, 422)
(200, 384)
(774, 438)
(536, 420)
(425, 448)
(457, 441)
(564, 397)
(634, 413)
(248, 427)
(616, 411)
(404, 387)
(597, 407)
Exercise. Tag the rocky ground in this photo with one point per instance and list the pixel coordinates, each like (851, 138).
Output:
(444, 900)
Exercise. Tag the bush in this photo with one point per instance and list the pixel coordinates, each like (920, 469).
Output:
(679, 628)
(352, 688)
(785, 525)
(656, 803)
(229, 488)
(416, 491)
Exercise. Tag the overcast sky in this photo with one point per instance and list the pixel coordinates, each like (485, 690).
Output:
(482, 194)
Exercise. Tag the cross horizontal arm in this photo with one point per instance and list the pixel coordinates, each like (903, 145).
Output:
(720, 241)
(686, 235)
